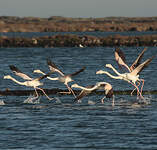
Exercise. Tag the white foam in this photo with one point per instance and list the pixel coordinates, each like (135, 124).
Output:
(58, 101)
(2, 103)
(90, 102)
(32, 100)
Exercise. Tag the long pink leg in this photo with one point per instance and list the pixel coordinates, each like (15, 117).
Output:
(45, 93)
(142, 88)
(37, 95)
(135, 88)
(113, 103)
(142, 85)
(70, 91)
(133, 91)
(139, 93)
(102, 100)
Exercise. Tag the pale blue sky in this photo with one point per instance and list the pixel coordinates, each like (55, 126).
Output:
(78, 8)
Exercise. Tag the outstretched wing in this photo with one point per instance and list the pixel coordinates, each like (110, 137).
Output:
(138, 69)
(138, 60)
(77, 72)
(109, 93)
(44, 76)
(84, 93)
(19, 73)
(53, 67)
(120, 59)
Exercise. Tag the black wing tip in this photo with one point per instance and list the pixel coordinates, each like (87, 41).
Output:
(83, 68)
(13, 68)
(49, 61)
(117, 48)
(151, 58)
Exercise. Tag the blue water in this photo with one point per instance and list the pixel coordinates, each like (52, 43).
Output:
(103, 34)
(63, 124)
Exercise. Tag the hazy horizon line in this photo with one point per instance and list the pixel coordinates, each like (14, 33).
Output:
(62, 16)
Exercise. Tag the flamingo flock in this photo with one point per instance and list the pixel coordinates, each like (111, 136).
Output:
(131, 76)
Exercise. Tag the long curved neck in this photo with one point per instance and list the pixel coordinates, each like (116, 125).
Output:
(18, 82)
(115, 70)
(48, 77)
(87, 89)
(110, 75)
(52, 78)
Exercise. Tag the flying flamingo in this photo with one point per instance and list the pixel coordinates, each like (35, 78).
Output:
(62, 78)
(98, 86)
(130, 77)
(30, 81)
(120, 59)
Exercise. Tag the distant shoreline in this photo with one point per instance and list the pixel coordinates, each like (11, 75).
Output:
(65, 24)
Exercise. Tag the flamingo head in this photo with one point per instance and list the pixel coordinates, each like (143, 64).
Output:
(109, 65)
(100, 72)
(74, 86)
(38, 71)
(7, 77)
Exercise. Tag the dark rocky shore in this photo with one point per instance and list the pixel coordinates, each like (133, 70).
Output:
(61, 24)
(76, 40)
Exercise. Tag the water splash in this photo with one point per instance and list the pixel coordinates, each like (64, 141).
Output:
(147, 100)
(58, 101)
(90, 102)
(32, 100)
(2, 103)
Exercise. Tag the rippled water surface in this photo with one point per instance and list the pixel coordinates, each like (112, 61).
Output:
(103, 34)
(64, 124)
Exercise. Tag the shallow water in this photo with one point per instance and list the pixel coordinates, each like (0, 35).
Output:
(103, 34)
(62, 123)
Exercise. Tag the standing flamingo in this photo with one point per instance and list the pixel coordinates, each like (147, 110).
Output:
(98, 86)
(30, 81)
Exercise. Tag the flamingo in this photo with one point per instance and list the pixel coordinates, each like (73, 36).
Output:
(120, 59)
(30, 82)
(62, 78)
(130, 77)
(98, 86)
(53, 68)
